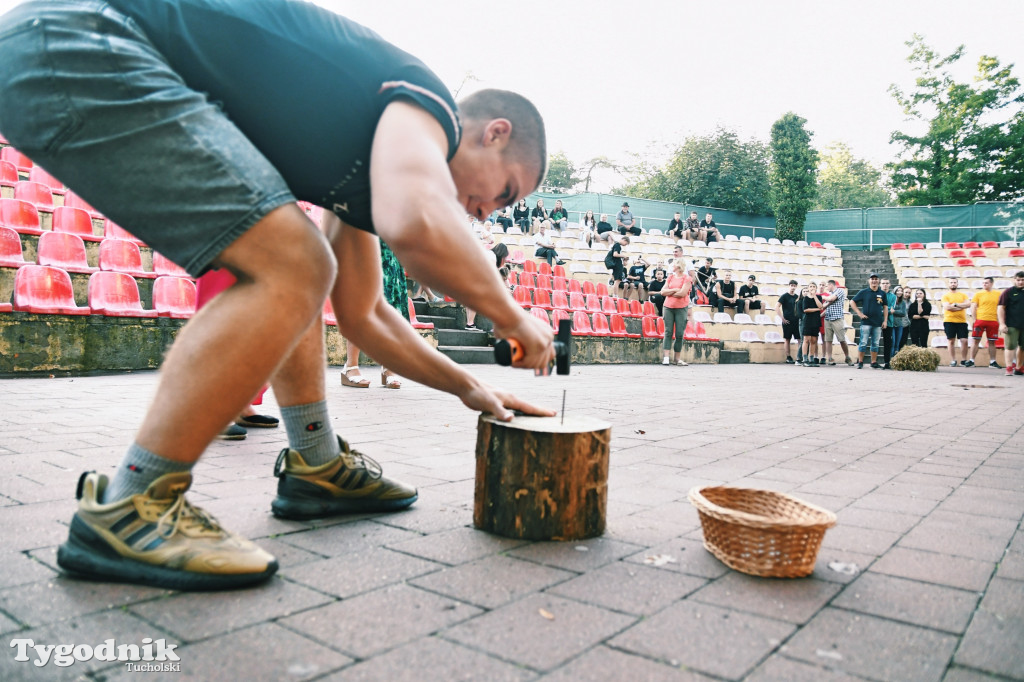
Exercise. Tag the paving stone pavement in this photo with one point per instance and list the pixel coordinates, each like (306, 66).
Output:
(925, 472)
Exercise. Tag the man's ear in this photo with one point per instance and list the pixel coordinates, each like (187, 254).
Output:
(497, 131)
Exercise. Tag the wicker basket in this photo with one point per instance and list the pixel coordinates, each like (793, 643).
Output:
(761, 532)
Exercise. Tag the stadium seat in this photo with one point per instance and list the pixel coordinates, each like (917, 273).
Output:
(542, 299)
(701, 316)
(42, 289)
(990, 245)
(750, 337)
(74, 221)
(6, 308)
(39, 174)
(523, 297)
(965, 263)
(21, 216)
(63, 250)
(608, 306)
(617, 327)
(559, 301)
(593, 303)
(731, 238)
(690, 332)
(601, 289)
(635, 309)
(1016, 253)
(558, 271)
(112, 230)
(175, 297)
(957, 253)
(649, 309)
(73, 200)
(660, 326)
(742, 318)
(115, 294)
(541, 314)
(763, 319)
(773, 337)
(559, 283)
(517, 258)
(622, 307)
(899, 246)
(543, 268)
(544, 281)
(162, 265)
(649, 325)
(11, 255)
(9, 174)
(976, 253)
(935, 324)
(121, 255)
(588, 288)
(951, 245)
(972, 245)
(528, 279)
(557, 316)
(577, 302)
(916, 246)
(939, 341)
(416, 324)
(575, 287)
(702, 333)
(36, 193)
(529, 266)
(817, 245)
(20, 161)
(581, 324)
(722, 318)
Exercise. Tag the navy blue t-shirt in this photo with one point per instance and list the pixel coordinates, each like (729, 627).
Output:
(872, 304)
(305, 85)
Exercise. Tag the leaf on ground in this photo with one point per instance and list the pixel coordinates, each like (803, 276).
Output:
(640, 431)
(546, 614)
(659, 560)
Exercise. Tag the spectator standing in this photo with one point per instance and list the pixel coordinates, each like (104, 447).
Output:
(605, 231)
(726, 294)
(709, 229)
(636, 279)
(654, 288)
(908, 298)
(750, 297)
(538, 215)
(521, 215)
(677, 300)
(918, 312)
(676, 227)
(626, 222)
(613, 261)
(693, 228)
(834, 299)
(898, 320)
(986, 321)
(707, 277)
(954, 320)
(871, 306)
(811, 306)
(1011, 324)
(546, 247)
(890, 298)
(786, 310)
(559, 216)
(589, 225)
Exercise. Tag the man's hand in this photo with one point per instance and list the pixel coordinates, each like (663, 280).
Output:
(536, 339)
(495, 401)
(1002, 329)
(863, 316)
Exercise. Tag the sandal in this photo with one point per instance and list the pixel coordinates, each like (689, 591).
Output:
(389, 380)
(357, 381)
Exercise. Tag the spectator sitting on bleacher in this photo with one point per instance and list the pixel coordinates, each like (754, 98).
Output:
(811, 306)
(636, 279)
(654, 288)
(750, 297)
(786, 309)
(919, 311)
(538, 215)
(613, 260)
(545, 246)
(521, 214)
(504, 218)
(626, 222)
(589, 225)
(676, 227)
(726, 294)
(834, 299)
(693, 229)
(707, 277)
(710, 229)
(605, 231)
(559, 216)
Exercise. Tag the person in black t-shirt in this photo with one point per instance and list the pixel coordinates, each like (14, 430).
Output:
(811, 306)
(605, 231)
(521, 214)
(709, 229)
(654, 286)
(707, 276)
(786, 309)
(725, 292)
(676, 227)
(749, 297)
(636, 279)
(613, 261)
(538, 215)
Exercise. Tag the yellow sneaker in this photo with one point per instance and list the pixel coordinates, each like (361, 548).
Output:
(350, 483)
(157, 538)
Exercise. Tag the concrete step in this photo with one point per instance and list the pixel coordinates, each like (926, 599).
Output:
(461, 337)
(733, 357)
(440, 322)
(469, 355)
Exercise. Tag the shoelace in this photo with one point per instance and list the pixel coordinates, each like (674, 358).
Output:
(180, 510)
(362, 461)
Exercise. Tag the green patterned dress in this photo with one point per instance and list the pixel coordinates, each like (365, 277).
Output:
(396, 291)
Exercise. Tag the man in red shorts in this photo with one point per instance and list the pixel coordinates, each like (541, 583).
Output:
(983, 310)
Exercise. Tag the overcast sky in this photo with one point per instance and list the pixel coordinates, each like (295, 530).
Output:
(613, 77)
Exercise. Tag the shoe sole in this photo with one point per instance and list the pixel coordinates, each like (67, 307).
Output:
(224, 437)
(292, 508)
(82, 556)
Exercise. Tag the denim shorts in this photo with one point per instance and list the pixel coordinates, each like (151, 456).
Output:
(869, 336)
(86, 96)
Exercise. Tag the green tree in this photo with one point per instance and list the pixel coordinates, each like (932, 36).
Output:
(587, 168)
(791, 175)
(846, 182)
(561, 175)
(969, 150)
(717, 170)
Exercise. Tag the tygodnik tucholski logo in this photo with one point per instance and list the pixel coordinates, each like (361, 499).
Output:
(149, 656)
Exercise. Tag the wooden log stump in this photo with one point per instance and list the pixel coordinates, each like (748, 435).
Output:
(540, 479)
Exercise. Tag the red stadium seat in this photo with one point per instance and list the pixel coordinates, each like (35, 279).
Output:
(11, 255)
(21, 216)
(976, 253)
(593, 303)
(543, 268)
(635, 309)
(972, 245)
(416, 324)
(600, 326)
(558, 271)
(575, 287)
(174, 297)
(74, 221)
(951, 245)
(65, 251)
(916, 246)
(559, 284)
(965, 263)
(529, 266)
(690, 333)
(817, 245)
(74, 201)
(898, 246)
(39, 174)
(622, 307)
(35, 193)
(661, 326)
(557, 316)
(542, 299)
(540, 314)
(559, 301)
(581, 324)
(330, 318)
(517, 258)
(42, 289)
(20, 161)
(112, 230)
(9, 174)
(544, 281)
(528, 280)
(115, 294)
(618, 327)
(588, 288)
(513, 277)
(6, 308)
(957, 253)
(649, 309)
(650, 328)
(601, 289)
(523, 297)
(162, 265)
(1016, 253)
(577, 302)
(121, 255)
(990, 245)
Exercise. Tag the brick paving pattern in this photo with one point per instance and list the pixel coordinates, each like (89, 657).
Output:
(925, 472)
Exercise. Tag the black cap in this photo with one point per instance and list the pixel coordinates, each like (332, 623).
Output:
(751, 277)
(625, 204)
(873, 275)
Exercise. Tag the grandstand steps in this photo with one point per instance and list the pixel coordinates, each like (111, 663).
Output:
(469, 355)
(461, 346)
(858, 266)
(733, 357)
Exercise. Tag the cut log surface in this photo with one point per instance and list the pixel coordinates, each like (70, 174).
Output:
(539, 478)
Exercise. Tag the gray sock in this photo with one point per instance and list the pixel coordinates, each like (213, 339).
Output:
(137, 471)
(310, 432)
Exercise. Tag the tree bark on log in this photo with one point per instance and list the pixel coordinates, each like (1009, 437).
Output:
(540, 479)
